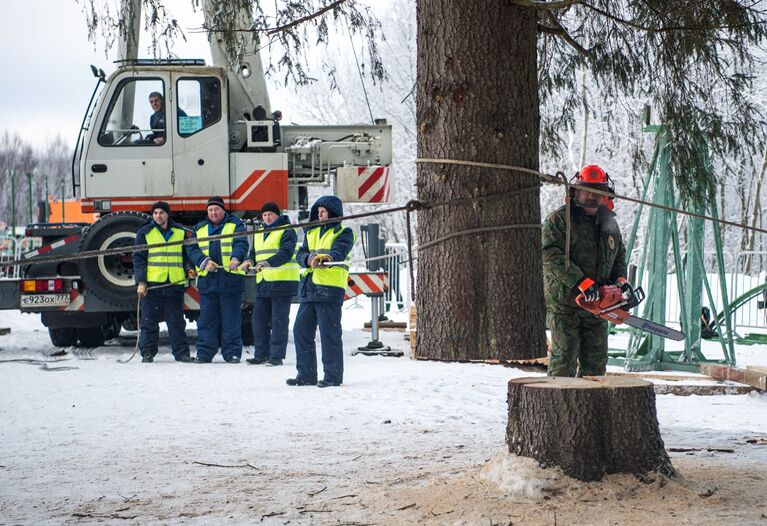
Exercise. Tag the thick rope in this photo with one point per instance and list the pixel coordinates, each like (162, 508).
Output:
(413, 205)
(410, 255)
(138, 315)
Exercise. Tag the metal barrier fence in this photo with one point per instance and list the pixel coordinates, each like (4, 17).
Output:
(9, 250)
(749, 272)
(396, 265)
(12, 248)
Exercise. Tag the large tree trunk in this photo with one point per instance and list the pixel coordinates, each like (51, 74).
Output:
(587, 426)
(480, 296)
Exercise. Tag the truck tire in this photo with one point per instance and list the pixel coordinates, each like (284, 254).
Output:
(130, 324)
(113, 327)
(110, 278)
(63, 337)
(91, 336)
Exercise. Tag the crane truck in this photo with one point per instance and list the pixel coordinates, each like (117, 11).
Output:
(212, 133)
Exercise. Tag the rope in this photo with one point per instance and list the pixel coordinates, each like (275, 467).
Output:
(567, 219)
(411, 206)
(191, 241)
(410, 256)
(138, 315)
(552, 179)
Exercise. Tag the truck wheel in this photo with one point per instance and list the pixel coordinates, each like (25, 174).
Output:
(113, 327)
(91, 336)
(63, 337)
(130, 324)
(110, 278)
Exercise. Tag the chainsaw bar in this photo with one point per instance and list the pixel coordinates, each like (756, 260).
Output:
(654, 328)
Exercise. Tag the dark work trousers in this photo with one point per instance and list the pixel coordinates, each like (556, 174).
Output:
(219, 325)
(166, 304)
(271, 317)
(328, 316)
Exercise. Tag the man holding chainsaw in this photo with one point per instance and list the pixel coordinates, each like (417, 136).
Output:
(597, 257)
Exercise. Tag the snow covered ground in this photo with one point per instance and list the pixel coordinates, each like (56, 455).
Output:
(87, 439)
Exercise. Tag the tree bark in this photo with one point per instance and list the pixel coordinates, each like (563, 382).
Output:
(587, 426)
(480, 296)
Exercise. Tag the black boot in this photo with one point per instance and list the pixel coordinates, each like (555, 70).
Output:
(256, 361)
(296, 381)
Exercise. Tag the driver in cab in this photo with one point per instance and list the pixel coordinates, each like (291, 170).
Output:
(157, 119)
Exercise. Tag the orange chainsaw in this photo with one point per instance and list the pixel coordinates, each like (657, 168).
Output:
(614, 304)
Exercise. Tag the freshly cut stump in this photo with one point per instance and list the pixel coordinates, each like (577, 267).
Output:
(587, 426)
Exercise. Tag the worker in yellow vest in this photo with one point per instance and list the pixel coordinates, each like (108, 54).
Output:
(221, 284)
(161, 265)
(273, 255)
(325, 256)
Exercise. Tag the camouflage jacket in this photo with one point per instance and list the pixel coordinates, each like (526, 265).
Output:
(596, 251)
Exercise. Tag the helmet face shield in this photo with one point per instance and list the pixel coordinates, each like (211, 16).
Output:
(586, 199)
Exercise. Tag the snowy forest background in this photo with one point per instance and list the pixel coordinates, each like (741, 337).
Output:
(609, 136)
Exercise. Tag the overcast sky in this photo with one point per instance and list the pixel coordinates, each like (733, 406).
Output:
(46, 54)
(47, 81)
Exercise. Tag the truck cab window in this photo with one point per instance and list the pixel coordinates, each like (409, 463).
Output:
(199, 104)
(136, 114)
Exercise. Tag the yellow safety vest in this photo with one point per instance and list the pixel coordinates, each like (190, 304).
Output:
(165, 263)
(266, 248)
(335, 275)
(226, 247)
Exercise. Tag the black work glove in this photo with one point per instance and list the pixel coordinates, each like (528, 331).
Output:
(589, 289)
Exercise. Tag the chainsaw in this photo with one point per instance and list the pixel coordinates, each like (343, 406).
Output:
(614, 304)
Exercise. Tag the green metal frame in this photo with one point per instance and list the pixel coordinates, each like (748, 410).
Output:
(645, 351)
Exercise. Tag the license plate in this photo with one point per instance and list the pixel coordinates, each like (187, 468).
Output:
(44, 300)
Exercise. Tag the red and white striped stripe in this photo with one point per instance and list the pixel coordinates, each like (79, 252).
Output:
(367, 283)
(373, 184)
(243, 198)
(47, 248)
(76, 302)
(191, 298)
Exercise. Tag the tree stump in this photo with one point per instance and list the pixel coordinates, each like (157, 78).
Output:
(587, 426)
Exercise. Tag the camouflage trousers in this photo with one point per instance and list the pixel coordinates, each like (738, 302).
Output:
(578, 344)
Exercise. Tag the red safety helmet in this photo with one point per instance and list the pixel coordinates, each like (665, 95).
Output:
(593, 175)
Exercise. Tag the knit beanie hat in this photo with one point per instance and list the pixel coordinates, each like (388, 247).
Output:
(161, 205)
(270, 207)
(216, 200)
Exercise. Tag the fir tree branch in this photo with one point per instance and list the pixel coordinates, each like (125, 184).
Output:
(278, 29)
(540, 4)
(665, 29)
(560, 31)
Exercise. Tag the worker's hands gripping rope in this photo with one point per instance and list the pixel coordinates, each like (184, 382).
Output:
(142, 290)
(589, 289)
(318, 260)
(248, 265)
